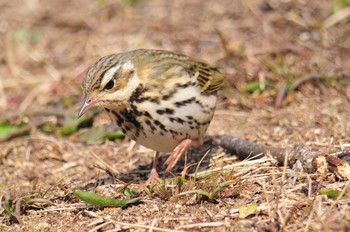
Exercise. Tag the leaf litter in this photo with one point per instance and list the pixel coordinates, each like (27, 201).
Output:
(288, 67)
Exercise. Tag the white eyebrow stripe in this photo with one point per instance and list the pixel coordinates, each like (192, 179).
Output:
(109, 75)
(128, 65)
(113, 70)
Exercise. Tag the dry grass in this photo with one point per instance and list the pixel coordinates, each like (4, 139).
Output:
(286, 60)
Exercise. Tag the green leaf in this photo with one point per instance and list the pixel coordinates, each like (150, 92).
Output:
(245, 211)
(48, 127)
(98, 200)
(71, 123)
(6, 206)
(99, 133)
(6, 129)
(67, 101)
(9, 210)
(101, 3)
(334, 194)
(339, 4)
(113, 135)
(129, 192)
(92, 135)
(128, 2)
(23, 35)
(252, 87)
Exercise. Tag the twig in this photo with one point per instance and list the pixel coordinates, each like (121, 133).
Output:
(17, 212)
(2, 96)
(337, 17)
(132, 225)
(204, 224)
(244, 149)
(30, 97)
(20, 131)
(103, 165)
(255, 162)
(304, 79)
(282, 92)
(29, 113)
(10, 58)
(224, 42)
(97, 228)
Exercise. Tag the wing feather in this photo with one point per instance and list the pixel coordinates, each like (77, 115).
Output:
(209, 78)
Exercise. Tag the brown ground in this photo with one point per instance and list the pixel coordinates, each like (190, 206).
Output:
(46, 47)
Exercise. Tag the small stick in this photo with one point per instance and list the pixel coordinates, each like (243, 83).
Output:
(282, 92)
(20, 131)
(244, 149)
(304, 79)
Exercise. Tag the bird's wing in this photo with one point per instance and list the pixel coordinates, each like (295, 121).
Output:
(173, 67)
(209, 79)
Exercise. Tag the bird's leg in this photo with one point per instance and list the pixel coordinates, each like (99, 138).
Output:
(154, 174)
(177, 153)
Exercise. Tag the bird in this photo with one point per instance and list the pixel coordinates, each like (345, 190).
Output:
(161, 99)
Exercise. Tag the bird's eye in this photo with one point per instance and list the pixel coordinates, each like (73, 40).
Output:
(109, 85)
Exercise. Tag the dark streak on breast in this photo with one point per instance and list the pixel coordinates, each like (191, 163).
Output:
(150, 125)
(160, 125)
(183, 86)
(165, 111)
(137, 96)
(118, 118)
(129, 116)
(185, 102)
(169, 95)
(180, 120)
(127, 121)
(145, 113)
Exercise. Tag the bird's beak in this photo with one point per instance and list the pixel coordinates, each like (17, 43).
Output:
(87, 104)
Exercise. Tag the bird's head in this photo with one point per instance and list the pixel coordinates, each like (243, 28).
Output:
(109, 83)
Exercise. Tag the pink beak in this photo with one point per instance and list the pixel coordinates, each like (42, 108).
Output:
(87, 104)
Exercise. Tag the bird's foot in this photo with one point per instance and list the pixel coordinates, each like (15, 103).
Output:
(177, 153)
(153, 176)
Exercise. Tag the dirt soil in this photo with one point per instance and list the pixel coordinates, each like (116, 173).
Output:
(288, 66)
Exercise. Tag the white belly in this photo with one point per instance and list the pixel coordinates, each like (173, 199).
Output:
(162, 125)
(168, 130)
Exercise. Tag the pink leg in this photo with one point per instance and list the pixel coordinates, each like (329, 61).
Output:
(178, 151)
(153, 175)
